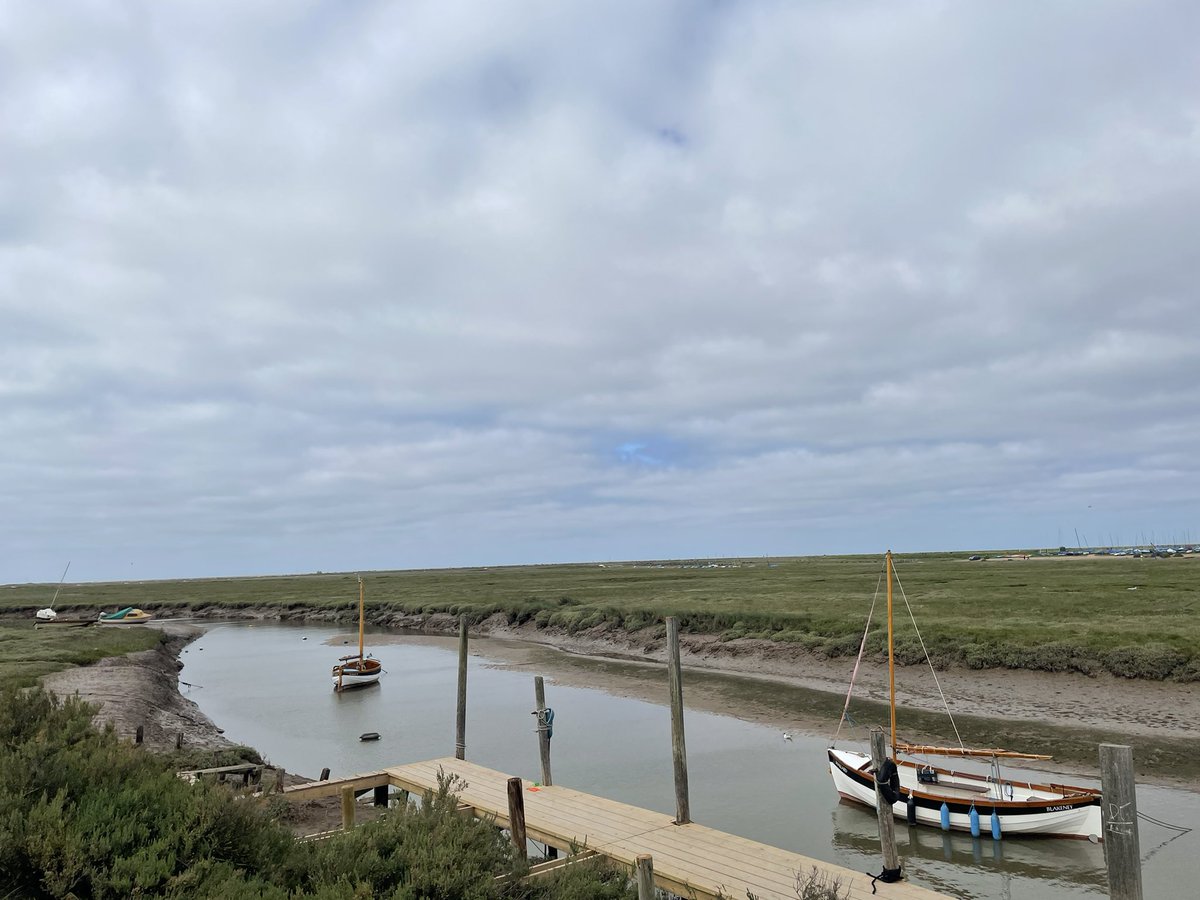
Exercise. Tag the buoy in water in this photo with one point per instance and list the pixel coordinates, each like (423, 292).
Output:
(369, 736)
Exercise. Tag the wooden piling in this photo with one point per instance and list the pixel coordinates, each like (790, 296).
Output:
(179, 740)
(645, 876)
(324, 774)
(543, 731)
(516, 815)
(280, 775)
(1122, 853)
(887, 821)
(381, 795)
(460, 734)
(347, 808)
(678, 748)
(140, 734)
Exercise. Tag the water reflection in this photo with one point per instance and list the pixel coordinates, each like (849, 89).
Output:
(268, 686)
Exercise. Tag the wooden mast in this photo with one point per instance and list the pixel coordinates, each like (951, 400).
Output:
(360, 648)
(891, 655)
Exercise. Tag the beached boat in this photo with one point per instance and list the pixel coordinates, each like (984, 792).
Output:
(127, 616)
(360, 670)
(928, 794)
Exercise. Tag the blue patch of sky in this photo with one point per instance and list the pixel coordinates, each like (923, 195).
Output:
(651, 451)
(673, 136)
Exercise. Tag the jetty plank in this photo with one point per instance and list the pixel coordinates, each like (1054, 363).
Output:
(689, 860)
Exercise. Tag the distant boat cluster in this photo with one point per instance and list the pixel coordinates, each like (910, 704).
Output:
(1162, 552)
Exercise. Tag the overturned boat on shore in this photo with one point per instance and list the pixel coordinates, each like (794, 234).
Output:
(127, 616)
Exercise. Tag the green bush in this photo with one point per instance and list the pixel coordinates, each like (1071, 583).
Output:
(84, 815)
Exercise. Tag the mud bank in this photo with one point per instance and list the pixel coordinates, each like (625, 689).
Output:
(143, 689)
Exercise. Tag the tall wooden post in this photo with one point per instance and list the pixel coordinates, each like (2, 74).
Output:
(1122, 853)
(460, 733)
(887, 821)
(543, 730)
(280, 775)
(380, 797)
(516, 815)
(645, 876)
(140, 734)
(683, 814)
(347, 809)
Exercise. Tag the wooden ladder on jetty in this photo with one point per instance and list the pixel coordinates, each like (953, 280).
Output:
(689, 860)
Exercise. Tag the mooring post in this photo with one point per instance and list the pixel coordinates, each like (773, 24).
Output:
(543, 732)
(324, 774)
(280, 775)
(516, 814)
(140, 734)
(645, 876)
(1122, 852)
(381, 795)
(347, 809)
(683, 813)
(887, 820)
(543, 727)
(460, 734)
(179, 740)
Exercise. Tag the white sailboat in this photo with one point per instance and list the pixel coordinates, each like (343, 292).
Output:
(945, 797)
(360, 670)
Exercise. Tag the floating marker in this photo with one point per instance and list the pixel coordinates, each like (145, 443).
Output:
(945, 817)
(995, 825)
(974, 820)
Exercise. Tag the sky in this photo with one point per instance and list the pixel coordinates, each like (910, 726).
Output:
(340, 285)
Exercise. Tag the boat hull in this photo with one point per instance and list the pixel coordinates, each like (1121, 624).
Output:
(132, 617)
(357, 673)
(1033, 809)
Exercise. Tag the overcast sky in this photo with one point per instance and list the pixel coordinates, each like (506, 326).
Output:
(295, 286)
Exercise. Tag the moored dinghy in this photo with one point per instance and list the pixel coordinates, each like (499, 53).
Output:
(360, 670)
(962, 801)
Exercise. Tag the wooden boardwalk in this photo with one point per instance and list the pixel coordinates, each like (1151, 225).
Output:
(689, 860)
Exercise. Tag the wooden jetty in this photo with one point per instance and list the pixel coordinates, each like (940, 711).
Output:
(688, 860)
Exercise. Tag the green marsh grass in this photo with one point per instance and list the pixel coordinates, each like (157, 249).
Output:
(1137, 618)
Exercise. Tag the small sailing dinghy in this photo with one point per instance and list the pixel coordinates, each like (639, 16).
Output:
(927, 794)
(361, 670)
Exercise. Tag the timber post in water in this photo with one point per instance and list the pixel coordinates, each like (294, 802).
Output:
(887, 821)
(347, 808)
(516, 815)
(645, 876)
(1122, 852)
(140, 734)
(683, 813)
(460, 732)
(543, 727)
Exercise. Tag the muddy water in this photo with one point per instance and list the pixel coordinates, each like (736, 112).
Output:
(269, 687)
